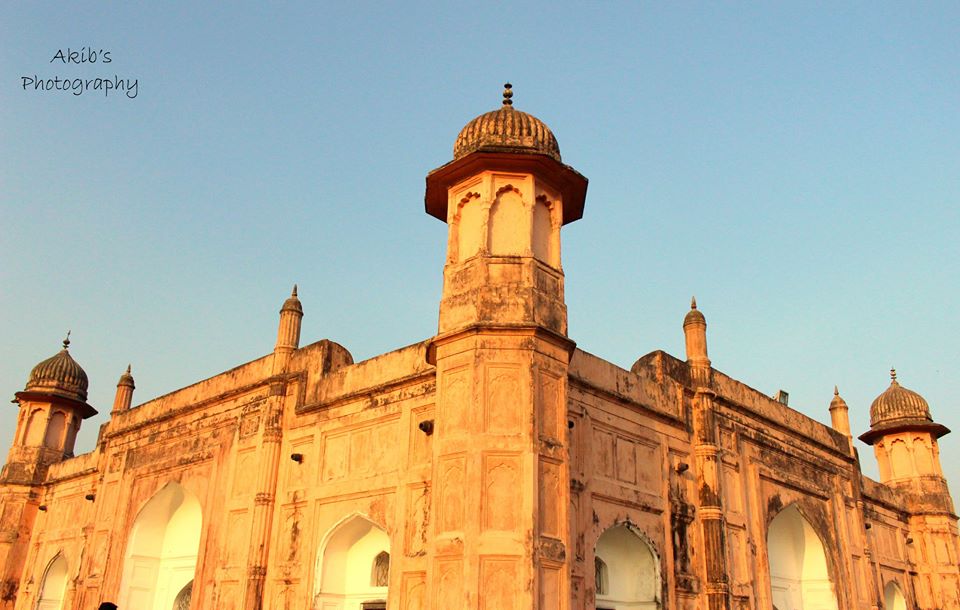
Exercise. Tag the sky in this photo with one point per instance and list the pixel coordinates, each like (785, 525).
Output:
(795, 165)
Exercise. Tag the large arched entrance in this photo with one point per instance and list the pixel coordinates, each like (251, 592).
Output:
(893, 598)
(625, 571)
(54, 585)
(799, 579)
(162, 549)
(354, 567)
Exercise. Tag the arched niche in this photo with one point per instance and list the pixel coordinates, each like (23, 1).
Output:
(893, 598)
(799, 577)
(626, 571)
(353, 560)
(55, 429)
(510, 224)
(54, 584)
(162, 549)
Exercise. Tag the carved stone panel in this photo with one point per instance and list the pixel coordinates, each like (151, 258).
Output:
(499, 582)
(418, 516)
(502, 400)
(414, 590)
(626, 452)
(550, 495)
(501, 480)
(448, 579)
(550, 586)
(245, 472)
(335, 455)
(451, 490)
(552, 424)
(455, 405)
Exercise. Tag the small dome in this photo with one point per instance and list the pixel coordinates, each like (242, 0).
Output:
(898, 403)
(506, 130)
(60, 375)
(694, 316)
(126, 379)
(292, 303)
(838, 402)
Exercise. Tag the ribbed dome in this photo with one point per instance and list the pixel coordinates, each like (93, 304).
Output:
(694, 316)
(506, 130)
(837, 402)
(60, 375)
(898, 403)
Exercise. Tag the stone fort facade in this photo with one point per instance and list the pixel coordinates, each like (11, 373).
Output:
(493, 466)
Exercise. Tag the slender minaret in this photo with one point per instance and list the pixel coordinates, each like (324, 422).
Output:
(124, 396)
(839, 414)
(271, 441)
(695, 334)
(291, 314)
(904, 438)
(706, 442)
(501, 491)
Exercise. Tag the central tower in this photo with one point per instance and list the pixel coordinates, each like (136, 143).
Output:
(501, 488)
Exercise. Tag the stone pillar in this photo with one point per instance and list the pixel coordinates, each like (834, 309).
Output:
(263, 503)
(706, 450)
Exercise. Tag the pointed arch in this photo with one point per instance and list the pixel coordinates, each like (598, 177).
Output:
(510, 227)
(162, 550)
(627, 570)
(799, 575)
(352, 562)
(893, 598)
(54, 584)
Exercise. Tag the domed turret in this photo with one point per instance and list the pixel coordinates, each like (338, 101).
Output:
(59, 375)
(898, 408)
(506, 130)
(507, 140)
(898, 404)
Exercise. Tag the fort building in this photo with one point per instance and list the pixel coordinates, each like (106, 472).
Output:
(493, 466)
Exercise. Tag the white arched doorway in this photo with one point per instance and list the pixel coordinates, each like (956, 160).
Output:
(799, 579)
(625, 571)
(354, 567)
(893, 598)
(162, 549)
(54, 585)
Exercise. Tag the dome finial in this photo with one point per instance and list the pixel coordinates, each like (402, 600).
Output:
(893, 375)
(128, 369)
(294, 293)
(836, 391)
(66, 340)
(507, 94)
(693, 302)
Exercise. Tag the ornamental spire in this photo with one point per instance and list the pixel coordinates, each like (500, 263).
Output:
(507, 94)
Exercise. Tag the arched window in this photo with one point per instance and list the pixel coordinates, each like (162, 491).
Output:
(55, 430)
(600, 576)
(184, 597)
(798, 565)
(893, 598)
(381, 570)
(54, 585)
(626, 571)
(354, 566)
(162, 549)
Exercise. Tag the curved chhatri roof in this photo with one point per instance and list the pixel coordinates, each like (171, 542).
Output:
(506, 130)
(898, 403)
(60, 375)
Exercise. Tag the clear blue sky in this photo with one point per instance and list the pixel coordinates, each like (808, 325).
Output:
(794, 165)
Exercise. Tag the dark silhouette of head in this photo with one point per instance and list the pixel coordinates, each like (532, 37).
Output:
(107, 606)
